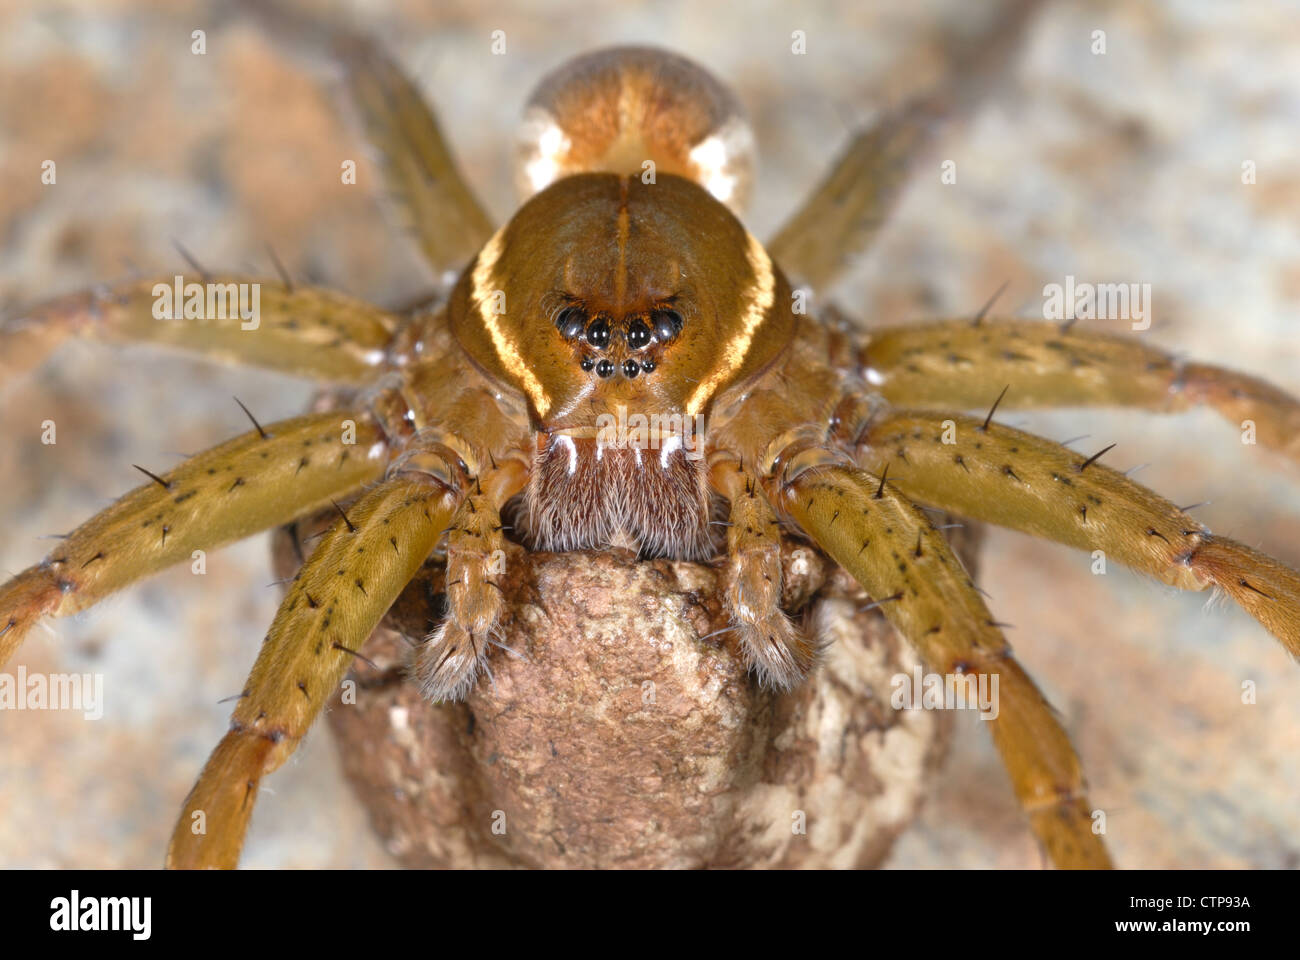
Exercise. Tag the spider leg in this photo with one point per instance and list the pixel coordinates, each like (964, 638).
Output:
(448, 663)
(951, 364)
(990, 472)
(775, 649)
(428, 190)
(309, 331)
(335, 602)
(255, 481)
(893, 550)
(421, 175)
(841, 217)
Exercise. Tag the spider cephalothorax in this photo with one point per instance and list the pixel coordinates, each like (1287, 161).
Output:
(623, 271)
(620, 365)
(607, 299)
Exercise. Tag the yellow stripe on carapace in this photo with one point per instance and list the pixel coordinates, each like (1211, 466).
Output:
(758, 302)
(507, 352)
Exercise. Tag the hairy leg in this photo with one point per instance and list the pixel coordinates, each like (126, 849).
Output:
(893, 550)
(266, 477)
(778, 651)
(953, 364)
(841, 217)
(337, 599)
(989, 472)
(309, 331)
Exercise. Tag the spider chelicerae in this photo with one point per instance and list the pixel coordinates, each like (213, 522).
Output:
(496, 405)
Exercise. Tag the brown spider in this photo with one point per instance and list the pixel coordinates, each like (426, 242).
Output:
(610, 295)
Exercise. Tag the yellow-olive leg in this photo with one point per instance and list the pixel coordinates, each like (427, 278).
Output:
(893, 550)
(840, 218)
(960, 365)
(449, 663)
(1027, 483)
(309, 331)
(266, 477)
(419, 171)
(337, 599)
(429, 191)
(778, 651)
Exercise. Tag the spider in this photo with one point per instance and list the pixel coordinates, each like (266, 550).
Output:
(606, 293)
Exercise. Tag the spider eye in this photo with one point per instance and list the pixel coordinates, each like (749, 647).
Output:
(668, 323)
(638, 335)
(571, 322)
(587, 364)
(631, 368)
(598, 334)
(604, 369)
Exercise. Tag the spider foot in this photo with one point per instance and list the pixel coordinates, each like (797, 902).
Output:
(777, 651)
(447, 666)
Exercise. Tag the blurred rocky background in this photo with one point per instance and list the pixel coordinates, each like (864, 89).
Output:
(1117, 167)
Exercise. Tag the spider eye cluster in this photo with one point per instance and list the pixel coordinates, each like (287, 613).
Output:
(598, 332)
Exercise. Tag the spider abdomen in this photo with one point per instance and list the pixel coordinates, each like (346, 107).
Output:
(631, 110)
